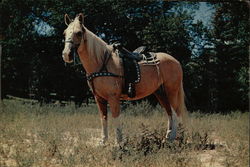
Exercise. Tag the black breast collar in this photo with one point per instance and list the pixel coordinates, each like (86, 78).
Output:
(103, 71)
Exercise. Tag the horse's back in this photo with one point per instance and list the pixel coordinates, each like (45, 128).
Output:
(164, 57)
(171, 70)
(167, 71)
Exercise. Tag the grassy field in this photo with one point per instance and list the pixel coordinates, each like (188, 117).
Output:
(54, 136)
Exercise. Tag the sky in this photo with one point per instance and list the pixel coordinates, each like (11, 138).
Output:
(204, 13)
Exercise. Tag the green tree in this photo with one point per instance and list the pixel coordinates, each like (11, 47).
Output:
(32, 62)
(231, 40)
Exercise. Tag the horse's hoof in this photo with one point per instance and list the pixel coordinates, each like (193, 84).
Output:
(163, 141)
(102, 142)
(170, 136)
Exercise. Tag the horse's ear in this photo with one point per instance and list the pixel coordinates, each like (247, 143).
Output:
(67, 20)
(81, 18)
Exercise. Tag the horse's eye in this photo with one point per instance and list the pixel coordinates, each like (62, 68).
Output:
(79, 34)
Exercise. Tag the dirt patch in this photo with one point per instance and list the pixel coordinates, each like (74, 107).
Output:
(211, 158)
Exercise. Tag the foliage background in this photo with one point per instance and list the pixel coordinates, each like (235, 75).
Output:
(214, 57)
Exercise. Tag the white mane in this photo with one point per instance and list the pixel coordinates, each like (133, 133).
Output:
(96, 46)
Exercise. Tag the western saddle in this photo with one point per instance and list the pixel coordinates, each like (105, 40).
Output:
(130, 61)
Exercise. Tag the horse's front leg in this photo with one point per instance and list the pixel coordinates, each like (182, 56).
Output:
(102, 107)
(114, 103)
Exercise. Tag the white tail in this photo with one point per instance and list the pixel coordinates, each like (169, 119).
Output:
(182, 109)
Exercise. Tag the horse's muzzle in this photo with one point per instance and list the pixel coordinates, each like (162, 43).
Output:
(68, 57)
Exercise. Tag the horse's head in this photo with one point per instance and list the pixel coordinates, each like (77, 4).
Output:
(74, 35)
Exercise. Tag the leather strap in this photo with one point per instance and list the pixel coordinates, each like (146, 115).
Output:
(101, 74)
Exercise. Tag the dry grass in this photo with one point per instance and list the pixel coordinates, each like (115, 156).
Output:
(36, 136)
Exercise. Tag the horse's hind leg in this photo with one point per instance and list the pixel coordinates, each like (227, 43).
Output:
(102, 107)
(172, 125)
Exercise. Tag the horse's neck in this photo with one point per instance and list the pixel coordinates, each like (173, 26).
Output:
(89, 65)
(91, 52)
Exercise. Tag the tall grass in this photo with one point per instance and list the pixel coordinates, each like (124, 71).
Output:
(31, 135)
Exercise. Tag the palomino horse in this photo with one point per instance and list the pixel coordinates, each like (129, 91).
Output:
(164, 80)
